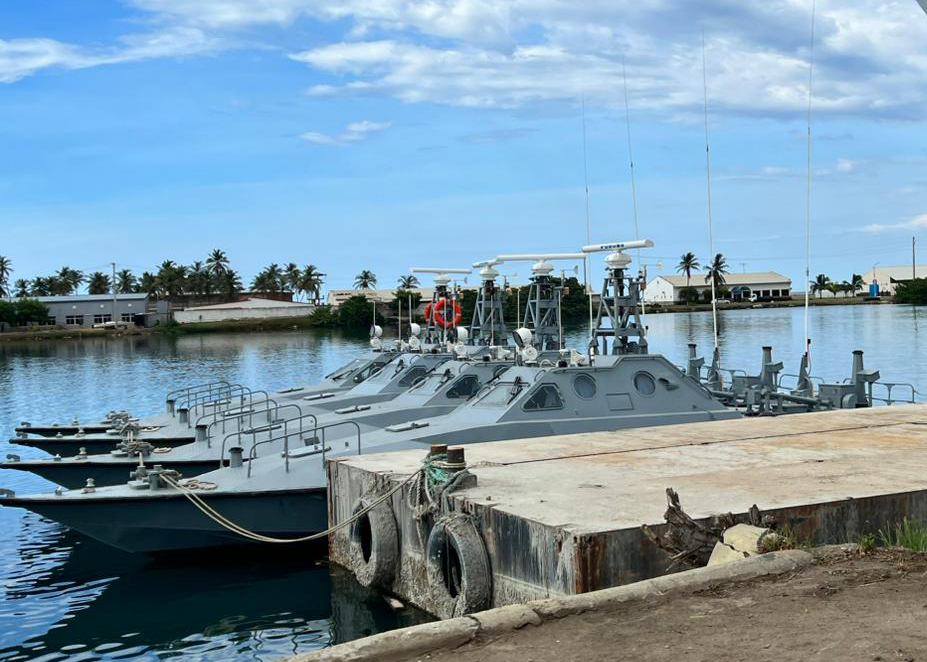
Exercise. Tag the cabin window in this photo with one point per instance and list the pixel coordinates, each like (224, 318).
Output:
(584, 385)
(644, 383)
(411, 375)
(547, 396)
(465, 387)
(343, 372)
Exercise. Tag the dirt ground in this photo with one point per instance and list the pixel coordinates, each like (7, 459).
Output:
(845, 607)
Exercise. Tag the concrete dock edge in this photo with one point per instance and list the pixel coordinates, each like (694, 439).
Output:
(419, 639)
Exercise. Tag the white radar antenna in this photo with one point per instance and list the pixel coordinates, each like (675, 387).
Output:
(619, 302)
(542, 311)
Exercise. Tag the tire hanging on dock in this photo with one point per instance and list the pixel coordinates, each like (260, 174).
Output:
(374, 546)
(457, 567)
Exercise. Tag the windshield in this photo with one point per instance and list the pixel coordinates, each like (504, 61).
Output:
(501, 394)
(344, 371)
(428, 385)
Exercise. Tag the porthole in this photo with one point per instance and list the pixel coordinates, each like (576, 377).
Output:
(644, 383)
(584, 386)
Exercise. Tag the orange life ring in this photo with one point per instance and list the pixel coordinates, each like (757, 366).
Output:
(428, 314)
(439, 319)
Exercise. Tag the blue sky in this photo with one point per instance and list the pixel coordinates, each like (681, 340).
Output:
(385, 134)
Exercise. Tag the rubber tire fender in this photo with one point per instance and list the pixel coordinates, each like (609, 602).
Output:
(456, 534)
(374, 563)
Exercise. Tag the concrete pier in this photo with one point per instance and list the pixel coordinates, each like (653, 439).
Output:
(562, 515)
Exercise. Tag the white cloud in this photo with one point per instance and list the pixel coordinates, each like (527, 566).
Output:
(846, 165)
(24, 57)
(870, 59)
(354, 132)
(916, 223)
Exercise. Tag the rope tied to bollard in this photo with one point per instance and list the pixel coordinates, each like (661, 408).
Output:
(228, 524)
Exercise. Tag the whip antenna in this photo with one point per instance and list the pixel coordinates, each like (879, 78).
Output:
(711, 232)
(588, 231)
(627, 116)
(808, 194)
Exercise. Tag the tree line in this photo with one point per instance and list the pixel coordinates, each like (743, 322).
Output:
(209, 277)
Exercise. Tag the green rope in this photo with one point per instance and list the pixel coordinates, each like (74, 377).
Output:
(435, 475)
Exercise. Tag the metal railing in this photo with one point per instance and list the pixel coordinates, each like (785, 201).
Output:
(236, 416)
(187, 390)
(252, 454)
(195, 400)
(269, 428)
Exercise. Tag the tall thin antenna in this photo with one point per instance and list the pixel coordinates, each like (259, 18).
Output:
(588, 227)
(711, 229)
(627, 117)
(808, 194)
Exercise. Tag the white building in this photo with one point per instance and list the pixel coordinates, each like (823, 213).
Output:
(884, 277)
(338, 297)
(765, 285)
(248, 309)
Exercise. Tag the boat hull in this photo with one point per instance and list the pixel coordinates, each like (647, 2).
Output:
(73, 475)
(170, 523)
(69, 447)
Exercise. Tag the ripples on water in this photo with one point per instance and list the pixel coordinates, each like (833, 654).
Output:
(65, 597)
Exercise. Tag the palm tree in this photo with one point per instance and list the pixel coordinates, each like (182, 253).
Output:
(292, 277)
(310, 281)
(198, 279)
(171, 279)
(409, 282)
(820, 284)
(687, 264)
(126, 282)
(147, 284)
(365, 280)
(716, 272)
(217, 263)
(66, 281)
(22, 288)
(856, 283)
(98, 283)
(6, 269)
(229, 284)
(41, 286)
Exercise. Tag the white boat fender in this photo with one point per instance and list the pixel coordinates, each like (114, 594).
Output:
(457, 567)
(374, 546)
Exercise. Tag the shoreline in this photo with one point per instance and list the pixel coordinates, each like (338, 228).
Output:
(303, 322)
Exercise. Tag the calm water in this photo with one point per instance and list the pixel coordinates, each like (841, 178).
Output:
(64, 597)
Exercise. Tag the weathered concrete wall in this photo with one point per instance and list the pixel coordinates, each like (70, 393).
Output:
(563, 516)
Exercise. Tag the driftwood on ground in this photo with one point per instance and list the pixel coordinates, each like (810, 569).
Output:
(688, 542)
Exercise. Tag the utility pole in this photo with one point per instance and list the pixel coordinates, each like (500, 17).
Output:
(113, 288)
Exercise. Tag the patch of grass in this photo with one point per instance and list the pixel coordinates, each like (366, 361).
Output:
(906, 534)
(867, 543)
(779, 540)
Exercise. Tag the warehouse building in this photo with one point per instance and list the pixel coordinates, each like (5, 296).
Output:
(253, 308)
(886, 278)
(766, 285)
(85, 310)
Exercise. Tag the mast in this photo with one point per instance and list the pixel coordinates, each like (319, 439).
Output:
(487, 327)
(619, 303)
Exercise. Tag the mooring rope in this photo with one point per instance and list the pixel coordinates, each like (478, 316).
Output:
(226, 523)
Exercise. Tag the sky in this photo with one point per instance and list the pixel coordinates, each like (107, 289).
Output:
(387, 134)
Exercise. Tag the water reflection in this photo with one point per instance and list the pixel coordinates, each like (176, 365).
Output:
(64, 596)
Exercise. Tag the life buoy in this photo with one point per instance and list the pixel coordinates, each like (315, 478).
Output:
(428, 314)
(457, 567)
(439, 318)
(374, 546)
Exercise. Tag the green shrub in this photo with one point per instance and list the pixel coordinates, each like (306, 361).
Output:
(906, 534)
(357, 313)
(914, 291)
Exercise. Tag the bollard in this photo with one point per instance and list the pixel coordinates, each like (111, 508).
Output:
(438, 449)
(184, 415)
(170, 406)
(200, 432)
(235, 456)
(455, 459)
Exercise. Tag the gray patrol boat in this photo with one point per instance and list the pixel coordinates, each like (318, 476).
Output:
(558, 391)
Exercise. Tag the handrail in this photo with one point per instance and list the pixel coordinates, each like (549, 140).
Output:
(250, 404)
(286, 432)
(237, 417)
(286, 443)
(204, 386)
(199, 399)
(783, 375)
